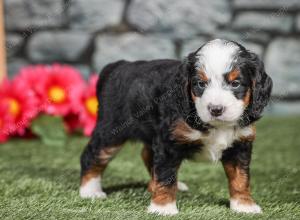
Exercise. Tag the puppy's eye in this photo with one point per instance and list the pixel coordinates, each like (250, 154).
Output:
(202, 84)
(235, 84)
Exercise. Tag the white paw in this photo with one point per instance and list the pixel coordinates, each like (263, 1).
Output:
(182, 186)
(93, 195)
(245, 208)
(92, 189)
(167, 209)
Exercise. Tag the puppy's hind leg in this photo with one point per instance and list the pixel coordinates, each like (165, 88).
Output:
(94, 160)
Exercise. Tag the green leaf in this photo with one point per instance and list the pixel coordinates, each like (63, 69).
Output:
(50, 129)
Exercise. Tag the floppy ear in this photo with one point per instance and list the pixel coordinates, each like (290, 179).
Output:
(189, 62)
(261, 88)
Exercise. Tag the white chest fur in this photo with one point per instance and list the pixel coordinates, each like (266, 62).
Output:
(215, 141)
(219, 139)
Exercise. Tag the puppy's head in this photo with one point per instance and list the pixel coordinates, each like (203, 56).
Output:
(228, 83)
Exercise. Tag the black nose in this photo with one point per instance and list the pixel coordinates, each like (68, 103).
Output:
(216, 110)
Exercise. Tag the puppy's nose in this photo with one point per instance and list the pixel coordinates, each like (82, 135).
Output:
(216, 110)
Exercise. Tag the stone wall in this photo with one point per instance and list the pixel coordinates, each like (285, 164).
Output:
(91, 33)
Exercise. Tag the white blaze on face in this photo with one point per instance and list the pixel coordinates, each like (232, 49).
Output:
(215, 59)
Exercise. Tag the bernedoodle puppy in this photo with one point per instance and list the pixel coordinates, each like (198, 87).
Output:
(208, 104)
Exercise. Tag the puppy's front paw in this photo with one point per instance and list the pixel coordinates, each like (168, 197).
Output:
(237, 206)
(92, 189)
(167, 209)
(93, 195)
(182, 186)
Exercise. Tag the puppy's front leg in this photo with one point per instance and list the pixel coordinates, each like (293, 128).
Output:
(236, 161)
(163, 185)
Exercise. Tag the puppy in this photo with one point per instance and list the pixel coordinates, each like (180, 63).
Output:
(207, 105)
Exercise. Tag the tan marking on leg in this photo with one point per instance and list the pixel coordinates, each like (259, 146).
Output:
(92, 173)
(238, 180)
(147, 158)
(105, 155)
(162, 194)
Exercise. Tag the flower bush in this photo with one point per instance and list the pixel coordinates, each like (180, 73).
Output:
(56, 90)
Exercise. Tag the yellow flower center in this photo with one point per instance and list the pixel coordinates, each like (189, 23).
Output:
(91, 105)
(14, 107)
(57, 94)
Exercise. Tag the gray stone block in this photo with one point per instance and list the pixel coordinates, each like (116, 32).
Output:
(263, 21)
(284, 108)
(192, 45)
(14, 65)
(31, 14)
(57, 46)
(267, 4)
(180, 19)
(94, 15)
(14, 43)
(130, 46)
(244, 36)
(84, 70)
(298, 23)
(255, 48)
(283, 64)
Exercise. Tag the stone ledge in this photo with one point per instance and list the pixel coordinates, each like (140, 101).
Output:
(177, 18)
(267, 4)
(264, 21)
(14, 43)
(192, 45)
(244, 36)
(57, 46)
(282, 63)
(38, 14)
(14, 65)
(284, 108)
(130, 46)
(298, 23)
(95, 15)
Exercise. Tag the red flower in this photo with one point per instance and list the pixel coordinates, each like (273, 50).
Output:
(22, 105)
(72, 122)
(5, 121)
(89, 106)
(34, 77)
(59, 86)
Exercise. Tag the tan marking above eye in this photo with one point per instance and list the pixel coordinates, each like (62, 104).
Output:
(233, 75)
(202, 75)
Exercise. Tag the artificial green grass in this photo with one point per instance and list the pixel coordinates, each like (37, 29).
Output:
(41, 182)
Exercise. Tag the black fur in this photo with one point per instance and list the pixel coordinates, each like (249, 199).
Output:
(142, 100)
(255, 76)
(239, 154)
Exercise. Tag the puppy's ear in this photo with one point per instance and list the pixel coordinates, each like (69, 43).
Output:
(261, 88)
(189, 63)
